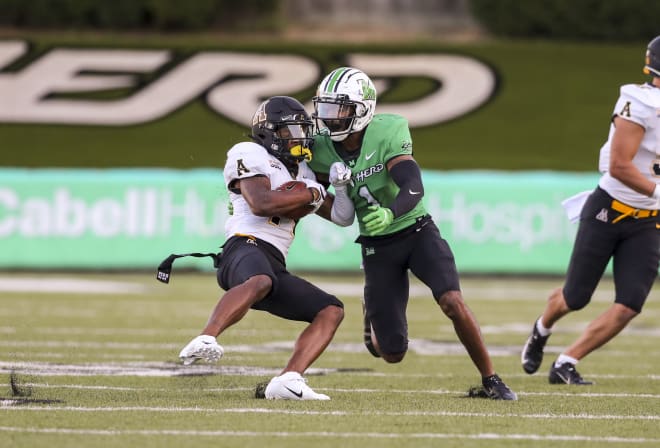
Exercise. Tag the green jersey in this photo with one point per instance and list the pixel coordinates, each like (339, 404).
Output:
(386, 137)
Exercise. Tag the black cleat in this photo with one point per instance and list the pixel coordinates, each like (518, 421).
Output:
(368, 342)
(566, 374)
(532, 353)
(496, 389)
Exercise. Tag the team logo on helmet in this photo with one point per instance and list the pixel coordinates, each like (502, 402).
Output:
(368, 91)
(260, 115)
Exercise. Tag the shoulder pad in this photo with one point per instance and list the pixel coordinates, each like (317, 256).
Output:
(248, 159)
(246, 148)
(391, 119)
(643, 93)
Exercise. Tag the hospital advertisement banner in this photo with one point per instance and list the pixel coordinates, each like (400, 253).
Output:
(495, 222)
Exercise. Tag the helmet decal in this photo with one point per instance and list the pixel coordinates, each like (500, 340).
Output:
(368, 92)
(334, 78)
(260, 114)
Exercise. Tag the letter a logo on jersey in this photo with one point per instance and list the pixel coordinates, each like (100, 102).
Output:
(241, 168)
(625, 112)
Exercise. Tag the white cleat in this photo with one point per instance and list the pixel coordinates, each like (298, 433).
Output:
(291, 386)
(202, 347)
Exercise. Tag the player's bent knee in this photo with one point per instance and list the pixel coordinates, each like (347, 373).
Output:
(451, 303)
(576, 297)
(332, 313)
(626, 312)
(576, 302)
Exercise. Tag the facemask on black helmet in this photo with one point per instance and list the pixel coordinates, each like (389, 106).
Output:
(283, 127)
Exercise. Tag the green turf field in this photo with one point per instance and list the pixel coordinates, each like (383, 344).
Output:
(94, 361)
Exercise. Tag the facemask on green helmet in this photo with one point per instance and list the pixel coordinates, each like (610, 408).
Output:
(344, 103)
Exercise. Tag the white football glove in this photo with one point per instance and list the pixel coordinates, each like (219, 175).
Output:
(340, 174)
(317, 198)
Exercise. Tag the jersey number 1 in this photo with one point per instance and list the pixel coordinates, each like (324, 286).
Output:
(364, 192)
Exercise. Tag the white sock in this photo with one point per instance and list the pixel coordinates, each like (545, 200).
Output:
(541, 329)
(563, 359)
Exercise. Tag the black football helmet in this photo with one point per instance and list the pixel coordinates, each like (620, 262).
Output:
(283, 126)
(652, 61)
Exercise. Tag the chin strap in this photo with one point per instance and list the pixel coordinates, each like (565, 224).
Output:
(165, 267)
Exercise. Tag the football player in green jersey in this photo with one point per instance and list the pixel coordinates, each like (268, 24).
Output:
(396, 232)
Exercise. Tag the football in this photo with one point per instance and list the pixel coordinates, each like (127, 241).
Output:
(296, 185)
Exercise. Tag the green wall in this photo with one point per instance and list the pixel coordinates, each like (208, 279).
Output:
(550, 110)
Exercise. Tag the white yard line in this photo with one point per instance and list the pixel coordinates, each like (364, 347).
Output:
(68, 285)
(352, 390)
(140, 369)
(73, 285)
(113, 331)
(333, 435)
(522, 328)
(49, 349)
(164, 369)
(489, 415)
(487, 292)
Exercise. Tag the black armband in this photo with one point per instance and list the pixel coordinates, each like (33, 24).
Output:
(408, 177)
